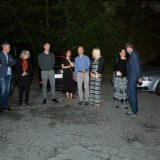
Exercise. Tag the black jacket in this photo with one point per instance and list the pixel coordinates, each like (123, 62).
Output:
(121, 65)
(100, 66)
(19, 70)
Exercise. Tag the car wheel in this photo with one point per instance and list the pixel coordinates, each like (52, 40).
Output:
(158, 88)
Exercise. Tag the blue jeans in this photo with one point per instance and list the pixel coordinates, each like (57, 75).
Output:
(4, 90)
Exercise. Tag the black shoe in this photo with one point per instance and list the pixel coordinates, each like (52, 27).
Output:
(1, 110)
(117, 106)
(86, 103)
(55, 100)
(80, 102)
(44, 101)
(126, 107)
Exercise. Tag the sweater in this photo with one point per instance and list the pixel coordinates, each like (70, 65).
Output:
(46, 62)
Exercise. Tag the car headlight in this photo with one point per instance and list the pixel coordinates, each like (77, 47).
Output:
(147, 78)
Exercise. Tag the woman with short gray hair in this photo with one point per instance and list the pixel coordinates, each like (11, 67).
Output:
(25, 53)
(24, 71)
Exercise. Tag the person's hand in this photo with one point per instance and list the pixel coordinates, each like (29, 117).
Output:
(10, 62)
(72, 65)
(68, 58)
(75, 78)
(93, 75)
(24, 73)
(140, 80)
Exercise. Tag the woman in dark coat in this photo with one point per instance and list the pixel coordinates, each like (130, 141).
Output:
(24, 71)
(120, 81)
(68, 80)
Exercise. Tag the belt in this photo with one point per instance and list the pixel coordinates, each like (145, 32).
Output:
(83, 71)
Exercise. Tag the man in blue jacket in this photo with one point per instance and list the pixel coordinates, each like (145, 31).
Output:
(134, 74)
(6, 63)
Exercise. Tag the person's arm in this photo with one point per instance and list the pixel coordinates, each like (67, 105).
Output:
(75, 68)
(88, 63)
(136, 63)
(92, 75)
(100, 66)
(11, 61)
(90, 67)
(0, 61)
(115, 64)
(39, 61)
(63, 65)
(53, 58)
(71, 63)
(4, 62)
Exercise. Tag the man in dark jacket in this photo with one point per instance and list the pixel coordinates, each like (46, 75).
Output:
(133, 73)
(6, 63)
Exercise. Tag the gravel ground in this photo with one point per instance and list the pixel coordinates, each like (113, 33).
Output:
(72, 132)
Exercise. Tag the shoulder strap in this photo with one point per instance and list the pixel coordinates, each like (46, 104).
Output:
(70, 67)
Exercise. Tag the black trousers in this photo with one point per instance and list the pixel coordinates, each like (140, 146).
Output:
(24, 87)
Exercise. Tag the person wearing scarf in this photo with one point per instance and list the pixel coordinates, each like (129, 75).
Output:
(24, 71)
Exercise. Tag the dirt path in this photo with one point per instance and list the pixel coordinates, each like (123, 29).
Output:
(72, 132)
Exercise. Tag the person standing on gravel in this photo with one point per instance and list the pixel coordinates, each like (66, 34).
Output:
(24, 71)
(46, 62)
(6, 63)
(82, 66)
(133, 74)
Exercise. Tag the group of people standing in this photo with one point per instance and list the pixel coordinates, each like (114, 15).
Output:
(87, 73)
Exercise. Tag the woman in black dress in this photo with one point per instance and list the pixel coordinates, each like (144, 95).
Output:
(120, 98)
(68, 80)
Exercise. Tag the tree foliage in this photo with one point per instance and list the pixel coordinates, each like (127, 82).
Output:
(107, 24)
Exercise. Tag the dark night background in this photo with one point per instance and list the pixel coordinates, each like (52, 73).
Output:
(107, 24)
